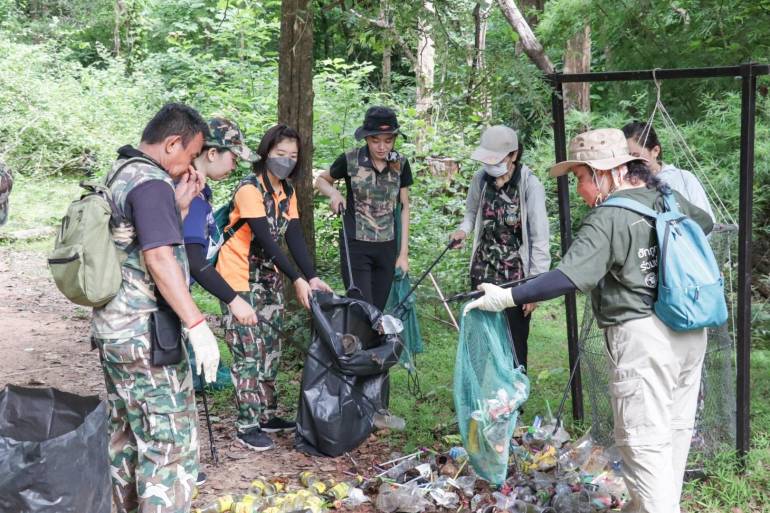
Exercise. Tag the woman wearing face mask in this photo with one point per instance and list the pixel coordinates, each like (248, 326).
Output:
(377, 179)
(264, 211)
(643, 142)
(654, 371)
(505, 208)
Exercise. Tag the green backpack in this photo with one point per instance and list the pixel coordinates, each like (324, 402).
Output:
(85, 262)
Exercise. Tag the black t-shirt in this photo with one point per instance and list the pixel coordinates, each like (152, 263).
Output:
(151, 206)
(339, 170)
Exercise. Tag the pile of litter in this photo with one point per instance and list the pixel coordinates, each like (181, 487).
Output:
(547, 473)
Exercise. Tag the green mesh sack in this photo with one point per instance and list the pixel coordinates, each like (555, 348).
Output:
(489, 388)
(411, 334)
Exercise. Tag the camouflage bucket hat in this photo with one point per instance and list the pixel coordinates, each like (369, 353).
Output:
(226, 134)
(6, 184)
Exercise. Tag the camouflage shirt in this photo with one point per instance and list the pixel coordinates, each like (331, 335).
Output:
(128, 314)
(497, 257)
(372, 194)
(262, 269)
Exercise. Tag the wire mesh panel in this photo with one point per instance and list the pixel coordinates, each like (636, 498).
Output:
(715, 418)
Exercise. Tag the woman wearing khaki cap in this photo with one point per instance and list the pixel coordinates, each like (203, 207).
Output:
(505, 208)
(654, 371)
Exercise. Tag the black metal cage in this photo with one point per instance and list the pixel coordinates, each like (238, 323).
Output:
(748, 73)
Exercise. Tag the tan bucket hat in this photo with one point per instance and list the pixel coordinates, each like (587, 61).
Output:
(603, 148)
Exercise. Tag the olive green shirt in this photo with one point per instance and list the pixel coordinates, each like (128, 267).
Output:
(615, 257)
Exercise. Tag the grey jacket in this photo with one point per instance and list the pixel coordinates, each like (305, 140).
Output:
(534, 251)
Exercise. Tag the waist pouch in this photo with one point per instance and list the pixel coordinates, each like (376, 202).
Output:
(165, 337)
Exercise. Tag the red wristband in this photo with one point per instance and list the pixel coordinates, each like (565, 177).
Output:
(202, 319)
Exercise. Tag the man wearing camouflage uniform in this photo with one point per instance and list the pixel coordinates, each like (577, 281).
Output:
(6, 184)
(153, 435)
(377, 180)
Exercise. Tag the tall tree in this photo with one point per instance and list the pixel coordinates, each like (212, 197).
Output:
(477, 81)
(426, 63)
(529, 42)
(577, 59)
(295, 98)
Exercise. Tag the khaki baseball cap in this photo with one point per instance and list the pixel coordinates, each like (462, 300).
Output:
(496, 143)
(603, 148)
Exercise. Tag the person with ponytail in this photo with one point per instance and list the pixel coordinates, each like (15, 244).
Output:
(654, 371)
(643, 142)
(505, 208)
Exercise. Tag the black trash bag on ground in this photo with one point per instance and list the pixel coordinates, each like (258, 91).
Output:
(345, 379)
(53, 452)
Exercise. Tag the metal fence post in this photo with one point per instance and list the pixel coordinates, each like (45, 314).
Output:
(565, 228)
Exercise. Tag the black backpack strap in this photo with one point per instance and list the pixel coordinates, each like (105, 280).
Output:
(229, 232)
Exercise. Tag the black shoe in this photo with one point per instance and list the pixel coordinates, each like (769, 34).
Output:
(277, 425)
(256, 440)
(200, 479)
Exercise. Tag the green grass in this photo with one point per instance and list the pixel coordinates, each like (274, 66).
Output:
(41, 202)
(37, 203)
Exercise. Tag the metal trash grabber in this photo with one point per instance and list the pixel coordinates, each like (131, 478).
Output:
(214, 455)
(444, 301)
(352, 289)
(416, 284)
(564, 396)
(478, 293)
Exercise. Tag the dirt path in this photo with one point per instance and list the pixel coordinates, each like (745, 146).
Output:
(44, 342)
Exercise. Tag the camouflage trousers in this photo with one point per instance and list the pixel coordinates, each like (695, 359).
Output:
(153, 428)
(256, 354)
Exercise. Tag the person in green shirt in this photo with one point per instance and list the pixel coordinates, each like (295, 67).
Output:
(654, 371)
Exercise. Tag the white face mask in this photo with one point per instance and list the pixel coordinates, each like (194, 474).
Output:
(496, 170)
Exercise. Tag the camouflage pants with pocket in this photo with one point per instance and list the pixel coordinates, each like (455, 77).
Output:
(153, 428)
(256, 354)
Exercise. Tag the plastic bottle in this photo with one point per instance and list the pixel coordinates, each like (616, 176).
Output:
(385, 420)
(261, 487)
(246, 504)
(312, 482)
(220, 505)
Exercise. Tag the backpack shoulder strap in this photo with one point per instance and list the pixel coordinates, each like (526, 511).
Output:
(109, 179)
(228, 233)
(632, 205)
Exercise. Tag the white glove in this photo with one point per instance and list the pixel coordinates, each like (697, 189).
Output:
(495, 299)
(204, 343)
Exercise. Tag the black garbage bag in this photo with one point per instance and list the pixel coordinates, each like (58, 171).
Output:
(345, 379)
(53, 452)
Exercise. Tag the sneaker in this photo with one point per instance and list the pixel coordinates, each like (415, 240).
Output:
(277, 425)
(200, 479)
(256, 440)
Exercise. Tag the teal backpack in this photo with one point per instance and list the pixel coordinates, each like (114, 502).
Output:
(690, 287)
(222, 219)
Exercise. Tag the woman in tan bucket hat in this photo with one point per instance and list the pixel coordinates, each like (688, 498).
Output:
(654, 371)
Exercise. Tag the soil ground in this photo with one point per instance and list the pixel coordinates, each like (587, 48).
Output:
(44, 342)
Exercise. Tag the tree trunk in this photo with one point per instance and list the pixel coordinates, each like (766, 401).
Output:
(426, 67)
(295, 99)
(120, 9)
(577, 59)
(387, 55)
(477, 84)
(529, 42)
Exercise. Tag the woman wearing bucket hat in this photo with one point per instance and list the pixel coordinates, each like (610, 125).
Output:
(264, 211)
(654, 370)
(505, 209)
(376, 179)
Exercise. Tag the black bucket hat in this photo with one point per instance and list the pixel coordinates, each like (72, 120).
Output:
(378, 120)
